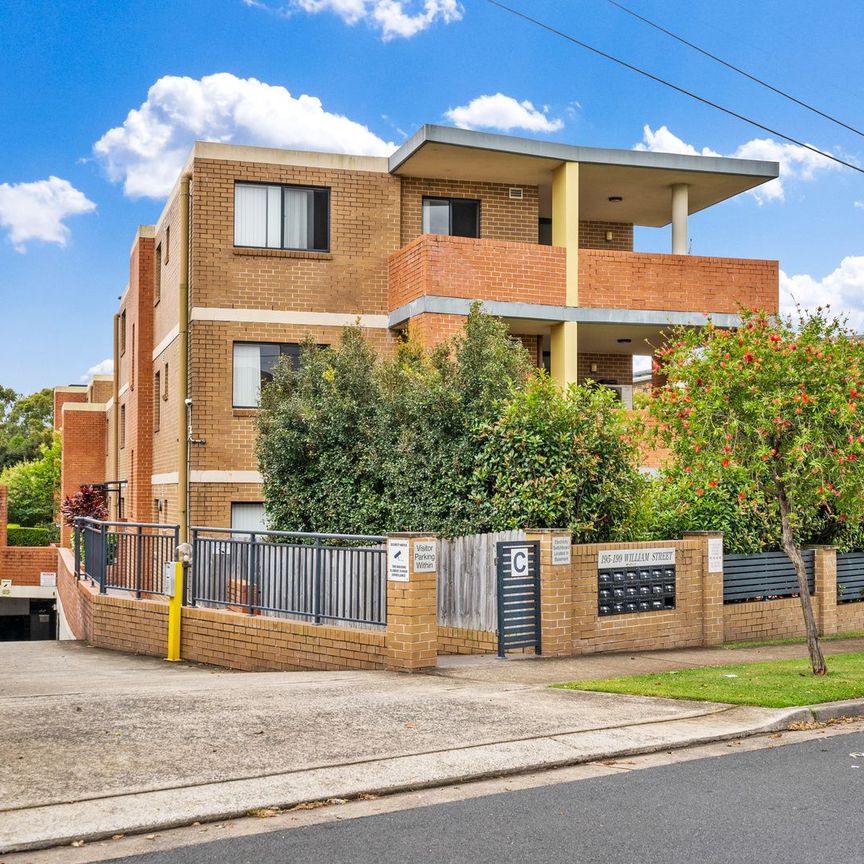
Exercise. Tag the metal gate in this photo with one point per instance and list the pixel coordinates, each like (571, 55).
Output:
(517, 564)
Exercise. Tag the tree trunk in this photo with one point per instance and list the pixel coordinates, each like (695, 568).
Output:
(817, 660)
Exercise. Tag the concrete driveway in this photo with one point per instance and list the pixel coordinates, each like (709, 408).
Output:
(81, 722)
(97, 742)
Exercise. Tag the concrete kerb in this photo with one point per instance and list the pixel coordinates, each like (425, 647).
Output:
(47, 826)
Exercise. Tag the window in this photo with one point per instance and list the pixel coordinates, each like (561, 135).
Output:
(167, 243)
(157, 401)
(157, 276)
(165, 391)
(282, 217)
(248, 516)
(458, 217)
(122, 426)
(132, 373)
(123, 332)
(544, 231)
(254, 363)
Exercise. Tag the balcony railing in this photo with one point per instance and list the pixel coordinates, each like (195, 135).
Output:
(679, 283)
(477, 269)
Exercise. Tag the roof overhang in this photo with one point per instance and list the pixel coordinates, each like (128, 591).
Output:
(642, 179)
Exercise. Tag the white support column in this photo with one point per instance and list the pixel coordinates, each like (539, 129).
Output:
(680, 211)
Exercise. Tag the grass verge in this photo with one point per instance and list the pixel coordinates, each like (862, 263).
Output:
(773, 684)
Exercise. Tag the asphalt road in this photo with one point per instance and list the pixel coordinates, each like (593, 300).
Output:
(796, 803)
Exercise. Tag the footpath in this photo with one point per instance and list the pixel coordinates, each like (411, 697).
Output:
(97, 743)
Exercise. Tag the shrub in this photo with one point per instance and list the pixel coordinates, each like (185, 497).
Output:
(559, 458)
(18, 536)
(34, 487)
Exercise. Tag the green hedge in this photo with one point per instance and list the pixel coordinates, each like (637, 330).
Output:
(17, 536)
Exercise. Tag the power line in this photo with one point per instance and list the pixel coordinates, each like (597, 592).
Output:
(735, 68)
(675, 87)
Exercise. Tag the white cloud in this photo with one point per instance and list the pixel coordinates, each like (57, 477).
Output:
(842, 290)
(503, 113)
(35, 211)
(796, 162)
(103, 367)
(859, 205)
(392, 18)
(147, 152)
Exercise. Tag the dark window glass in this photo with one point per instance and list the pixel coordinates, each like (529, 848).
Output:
(544, 232)
(281, 217)
(458, 217)
(465, 218)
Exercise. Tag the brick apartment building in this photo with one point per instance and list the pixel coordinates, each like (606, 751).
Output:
(258, 248)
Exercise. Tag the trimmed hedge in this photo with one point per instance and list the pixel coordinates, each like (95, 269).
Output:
(18, 536)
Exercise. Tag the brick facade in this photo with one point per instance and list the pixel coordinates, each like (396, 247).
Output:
(83, 458)
(592, 235)
(23, 564)
(501, 218)
(631, 280)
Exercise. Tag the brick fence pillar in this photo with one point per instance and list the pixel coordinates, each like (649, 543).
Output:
(556, 591)
(4, 513)
(412, 602)
(825, 576)
(711, 543)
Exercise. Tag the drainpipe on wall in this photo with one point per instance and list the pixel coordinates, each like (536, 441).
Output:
(115, 418)
(183, 372)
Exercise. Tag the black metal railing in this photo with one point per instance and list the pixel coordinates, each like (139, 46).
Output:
(127, 556)
(312, 577)
(764, 576)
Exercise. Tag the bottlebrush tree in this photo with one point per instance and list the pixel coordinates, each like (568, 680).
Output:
(773, 412)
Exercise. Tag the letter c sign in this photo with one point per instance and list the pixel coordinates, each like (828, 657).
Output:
(519, 558)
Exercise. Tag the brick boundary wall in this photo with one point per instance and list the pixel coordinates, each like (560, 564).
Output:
(570, 623)
(221, 638)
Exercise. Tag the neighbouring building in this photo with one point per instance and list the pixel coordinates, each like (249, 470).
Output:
(257, 249)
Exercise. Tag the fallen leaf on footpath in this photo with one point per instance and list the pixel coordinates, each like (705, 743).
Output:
(367, 796)
(117, 836)
(77, 843)
(265, 812)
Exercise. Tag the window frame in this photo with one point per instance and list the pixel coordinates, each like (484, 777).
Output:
(283, 186)
(122, 422)
(157, 275)
(234, 342)
(450, 199)
(157, 400)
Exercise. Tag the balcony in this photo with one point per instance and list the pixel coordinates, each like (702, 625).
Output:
(678, 283)
(500, 271)
(474, 269)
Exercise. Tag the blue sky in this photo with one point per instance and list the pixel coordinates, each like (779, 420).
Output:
(79, 173)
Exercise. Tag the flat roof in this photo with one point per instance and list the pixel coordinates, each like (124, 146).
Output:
(641, 178)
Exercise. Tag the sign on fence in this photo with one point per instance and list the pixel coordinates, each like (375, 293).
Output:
(397, 560)
(5, 587)
(425, 556)
(48, 580)
(715, 554)
(635, 558)
(560, 550)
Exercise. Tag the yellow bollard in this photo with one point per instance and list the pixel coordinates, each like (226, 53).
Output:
(175, 608)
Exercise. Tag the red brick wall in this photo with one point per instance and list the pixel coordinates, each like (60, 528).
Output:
(629, 280)
(83, 457)
(61, 397)
(477, 270)
(23, 564)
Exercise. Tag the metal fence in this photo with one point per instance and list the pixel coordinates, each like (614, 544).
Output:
(313, 577)
(765, 576)
(127, 556)
(850, 577)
